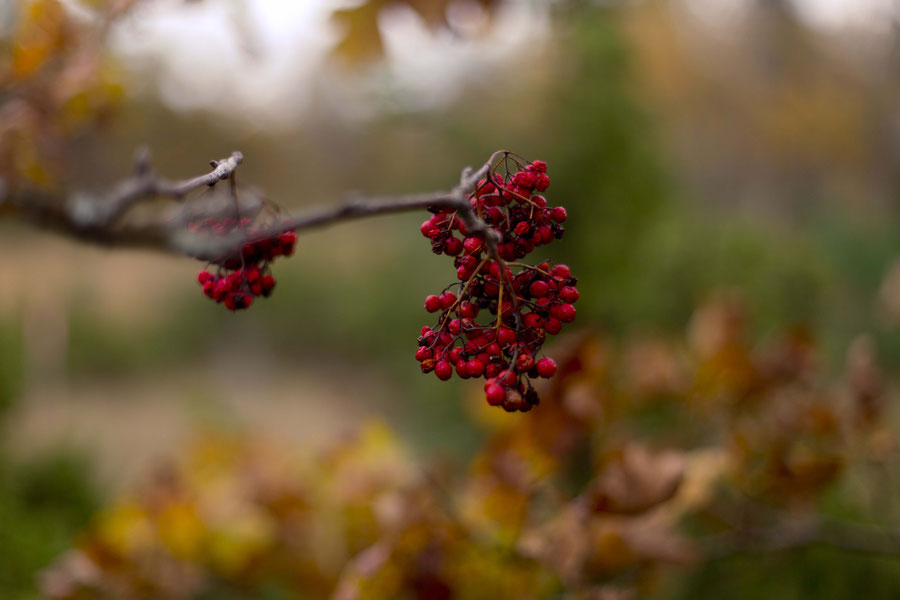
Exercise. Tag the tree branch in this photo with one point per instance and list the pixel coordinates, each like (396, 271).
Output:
(89, 213)
(456, 199)
(98, 219)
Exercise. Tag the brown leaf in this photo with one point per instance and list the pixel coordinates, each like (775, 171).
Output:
(635, 480)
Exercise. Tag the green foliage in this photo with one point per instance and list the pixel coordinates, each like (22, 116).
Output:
(605, 164)
(43, 502)
(691, 256)
(819, 572)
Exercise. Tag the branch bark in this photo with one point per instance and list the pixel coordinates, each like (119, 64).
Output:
(99, 219)
(94, 219)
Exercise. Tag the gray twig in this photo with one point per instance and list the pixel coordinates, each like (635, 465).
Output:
(99, 219)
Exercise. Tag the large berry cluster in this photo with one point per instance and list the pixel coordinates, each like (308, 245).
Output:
(240, 277)
(525, 302)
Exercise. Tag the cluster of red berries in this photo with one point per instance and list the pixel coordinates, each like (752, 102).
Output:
(526, 302)
(242, 276)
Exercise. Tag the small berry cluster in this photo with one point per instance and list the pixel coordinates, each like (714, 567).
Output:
(526, 302)
(242, 276)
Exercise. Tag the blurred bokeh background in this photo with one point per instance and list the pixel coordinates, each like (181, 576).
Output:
(738, 149)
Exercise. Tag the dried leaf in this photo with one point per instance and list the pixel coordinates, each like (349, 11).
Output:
(634, 480)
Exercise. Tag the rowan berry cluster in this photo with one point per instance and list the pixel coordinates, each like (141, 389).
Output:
(525, 302)
(246, 274)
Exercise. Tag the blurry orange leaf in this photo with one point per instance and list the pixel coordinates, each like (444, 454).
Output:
(40, 34)
(361, 40)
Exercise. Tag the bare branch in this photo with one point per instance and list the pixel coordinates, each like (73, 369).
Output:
(97, 220)
(89, 212)
(208, 247)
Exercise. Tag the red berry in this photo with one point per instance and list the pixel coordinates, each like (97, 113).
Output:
(506, 378)
(565, 313)
(453, 326)
(539, 289)
(533, 320)
(558, 214)
(432, 303)
(561, 272)
(546, 368)
(506, 336)
(220, 290)
(453, 247)
(443, 370)
(286, 242)
(538, 166)
(552, 325)
(494, 393)
(546, 234)
(462, 369)
(475, 368)
(472, 245)
(525, 363)
(468, 310)
(268, 284)
(454, 355)
(427, 228)
(524, 179)
(422, 353)
(569, 294)
(447, 299)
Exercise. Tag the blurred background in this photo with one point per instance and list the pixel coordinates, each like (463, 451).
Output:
(732, 153)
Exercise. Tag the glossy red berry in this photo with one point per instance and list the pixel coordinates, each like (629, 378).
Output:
(475, 368)
(561, 272)
(462, 369)
(447, 299)
(569, 294)
(565, 313)
(453, 247)
(495, 394)
(558, 214)
(432, 303)
(427, 227)
(553, 325)
(472, 245)
(525, 363)
(546, 368)
(539, 289)
(443, 370)
(533, 320)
